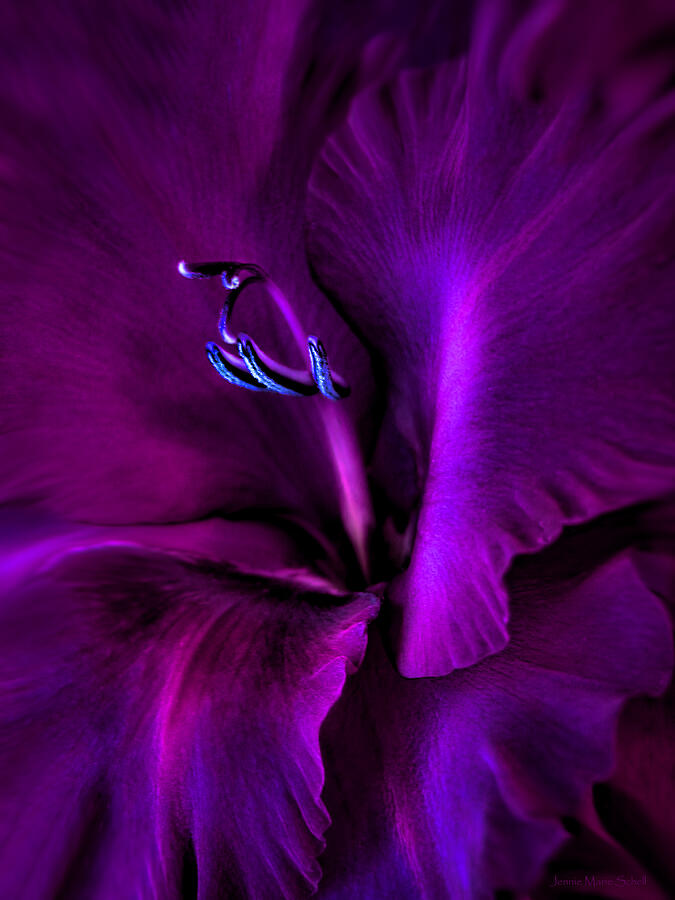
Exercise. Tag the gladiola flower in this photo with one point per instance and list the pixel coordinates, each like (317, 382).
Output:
(352, 604)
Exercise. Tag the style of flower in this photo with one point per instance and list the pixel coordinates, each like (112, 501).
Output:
(361, 620)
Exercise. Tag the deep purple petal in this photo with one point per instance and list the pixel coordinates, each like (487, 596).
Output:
(159, 727)
(626, 831)
(637, 804)
(591, 865)
(30, 541)
(454, 787)
(500, 231)
(636, 807)
(139, 137)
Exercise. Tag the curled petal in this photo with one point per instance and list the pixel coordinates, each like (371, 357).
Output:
(455, 786)
(159, 727)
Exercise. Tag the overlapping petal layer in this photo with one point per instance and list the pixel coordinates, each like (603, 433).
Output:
(500, 232)
(454, 786)
(637, 805)
(159, 727)
(638, 802)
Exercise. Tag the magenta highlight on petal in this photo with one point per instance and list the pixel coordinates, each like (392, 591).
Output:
(474, 225)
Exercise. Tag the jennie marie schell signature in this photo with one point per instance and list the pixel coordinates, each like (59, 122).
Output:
(599, 881)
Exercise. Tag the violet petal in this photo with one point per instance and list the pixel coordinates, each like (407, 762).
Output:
(159, 723)
(140, 136)
(507, 253)
(454, 787)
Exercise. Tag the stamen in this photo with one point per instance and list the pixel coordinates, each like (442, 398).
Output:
(201, 270)
(260, 371)
(271, 375)
(230, 284)
(228, 271)
(333, 388)
(225, 314)
(256, 371)
(231, 369)
(236, 286)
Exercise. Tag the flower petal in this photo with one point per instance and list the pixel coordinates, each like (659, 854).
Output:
(636, 805)
(141, 136)
(159, 727)
(454, 787)
(594, 866)
(510, 262)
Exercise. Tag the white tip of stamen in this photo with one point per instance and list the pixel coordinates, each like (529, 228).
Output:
(230, 284)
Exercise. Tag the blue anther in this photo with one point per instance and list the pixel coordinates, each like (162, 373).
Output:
(269, 377)
(321, 373)
(255, 370)
(230, 369)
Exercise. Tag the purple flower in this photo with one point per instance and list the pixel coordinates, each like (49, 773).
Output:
(362, 620)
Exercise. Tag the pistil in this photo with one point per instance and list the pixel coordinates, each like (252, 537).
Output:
(263, 372)
(255, 370)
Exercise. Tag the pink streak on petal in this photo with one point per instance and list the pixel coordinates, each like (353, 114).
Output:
(346, 456)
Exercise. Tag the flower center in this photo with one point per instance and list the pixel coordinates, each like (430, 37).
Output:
(252, 368)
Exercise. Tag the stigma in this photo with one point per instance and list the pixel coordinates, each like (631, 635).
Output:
(250, 367)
